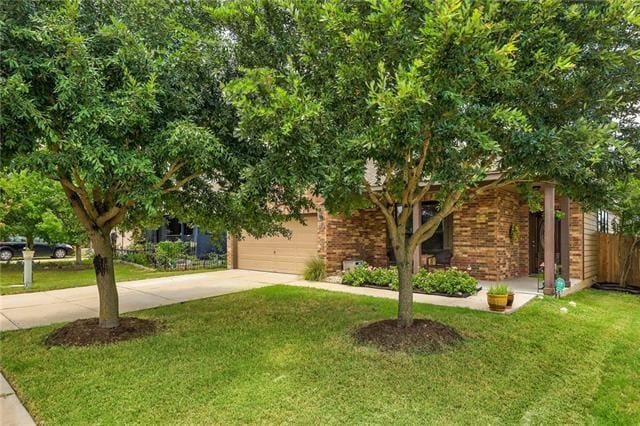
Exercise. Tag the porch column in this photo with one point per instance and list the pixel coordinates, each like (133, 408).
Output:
(549, 238)
(417, 221)
(564, 241)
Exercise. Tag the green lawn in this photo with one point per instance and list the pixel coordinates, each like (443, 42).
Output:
(56, 275)
(284, 354)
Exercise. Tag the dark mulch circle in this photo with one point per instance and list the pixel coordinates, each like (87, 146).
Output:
(423, 336)
(85, 332)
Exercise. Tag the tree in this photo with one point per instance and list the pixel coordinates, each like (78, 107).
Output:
(121, 103)
(434, 95)
(627, 209)
(32, 207)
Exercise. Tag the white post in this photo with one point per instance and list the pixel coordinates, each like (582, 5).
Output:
(27, 276)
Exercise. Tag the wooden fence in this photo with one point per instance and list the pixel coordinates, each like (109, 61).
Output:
(613, 249)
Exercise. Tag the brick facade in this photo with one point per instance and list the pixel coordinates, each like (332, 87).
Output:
(483, 241)
(361, 236)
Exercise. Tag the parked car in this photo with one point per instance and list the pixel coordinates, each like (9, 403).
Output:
(13, 247)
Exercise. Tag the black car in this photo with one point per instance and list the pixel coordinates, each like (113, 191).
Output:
(14, 246)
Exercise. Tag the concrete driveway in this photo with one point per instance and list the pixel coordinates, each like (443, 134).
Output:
(48, 307)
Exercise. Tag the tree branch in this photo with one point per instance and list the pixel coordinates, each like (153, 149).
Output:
(376, 200)
(427, 229)
(82, 196)
(172, 171)
(179, 184)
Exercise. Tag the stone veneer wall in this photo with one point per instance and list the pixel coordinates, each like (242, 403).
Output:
(362, 236)
(513, 256)
(576, 236)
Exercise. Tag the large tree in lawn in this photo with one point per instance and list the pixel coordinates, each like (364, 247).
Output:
(433, 95)
(120, 102)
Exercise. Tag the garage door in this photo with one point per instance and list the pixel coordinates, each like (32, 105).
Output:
(280, 254)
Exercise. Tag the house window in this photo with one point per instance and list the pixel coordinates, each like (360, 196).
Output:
(436, 242)
(603, 221)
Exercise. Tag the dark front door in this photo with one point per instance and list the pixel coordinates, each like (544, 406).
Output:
(536, 241)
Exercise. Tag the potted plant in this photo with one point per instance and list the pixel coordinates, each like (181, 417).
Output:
(510, 297)
(497, 297)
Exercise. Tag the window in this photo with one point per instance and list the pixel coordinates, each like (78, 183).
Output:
(602, 221)
(436, 242)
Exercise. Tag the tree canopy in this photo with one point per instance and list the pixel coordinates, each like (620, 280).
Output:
(433, 96)
(121, 103)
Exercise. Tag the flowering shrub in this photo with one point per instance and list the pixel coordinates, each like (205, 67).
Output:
(385, 277)
(365, 274)
(358, 276)
(449, 281)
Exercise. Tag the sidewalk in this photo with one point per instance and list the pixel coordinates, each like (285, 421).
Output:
(13, 412)
(47, 307)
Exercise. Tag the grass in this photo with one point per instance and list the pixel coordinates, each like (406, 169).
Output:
(284, 355)
(57, 275)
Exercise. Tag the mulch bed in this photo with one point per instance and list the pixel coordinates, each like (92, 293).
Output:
(423, 336)
(85, 332)
(616, 287)
(419, 291)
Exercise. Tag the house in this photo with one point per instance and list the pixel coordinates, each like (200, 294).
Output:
(202, 243)
(495, 237)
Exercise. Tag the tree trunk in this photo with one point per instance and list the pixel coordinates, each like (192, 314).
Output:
(78, 254)
(626, 267)
(106, 280)
(405, 290)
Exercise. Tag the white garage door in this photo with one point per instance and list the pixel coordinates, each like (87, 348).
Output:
(280, 254)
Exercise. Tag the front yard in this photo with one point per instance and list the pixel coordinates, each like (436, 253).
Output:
(64, 274)
(283, 354)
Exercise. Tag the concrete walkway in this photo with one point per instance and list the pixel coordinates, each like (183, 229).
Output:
(477, 302)
(12, 411)
(48, 307)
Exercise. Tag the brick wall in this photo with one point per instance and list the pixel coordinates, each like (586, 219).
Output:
(362, 236)
(481, 238)
(474, 237)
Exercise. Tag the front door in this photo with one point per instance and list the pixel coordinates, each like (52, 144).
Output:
(536, 241)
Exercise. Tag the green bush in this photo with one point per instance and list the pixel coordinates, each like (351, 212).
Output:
(168, 253)
(358, 276)
(365, 274)
(315, 269)
(385, 277)
(139, 258)
(449, 281)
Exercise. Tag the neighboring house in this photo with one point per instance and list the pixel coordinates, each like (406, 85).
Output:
(495, 237)
(202, 243)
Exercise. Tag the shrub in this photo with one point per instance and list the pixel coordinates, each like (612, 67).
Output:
(449, 281)
(365, 274)
(385, 277)
(358, 276)
(139, 258)
(168, 252)
(498, 290)
(315, 269)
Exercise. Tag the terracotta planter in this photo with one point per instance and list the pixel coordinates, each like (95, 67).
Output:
(510, 297)
(497, 302)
